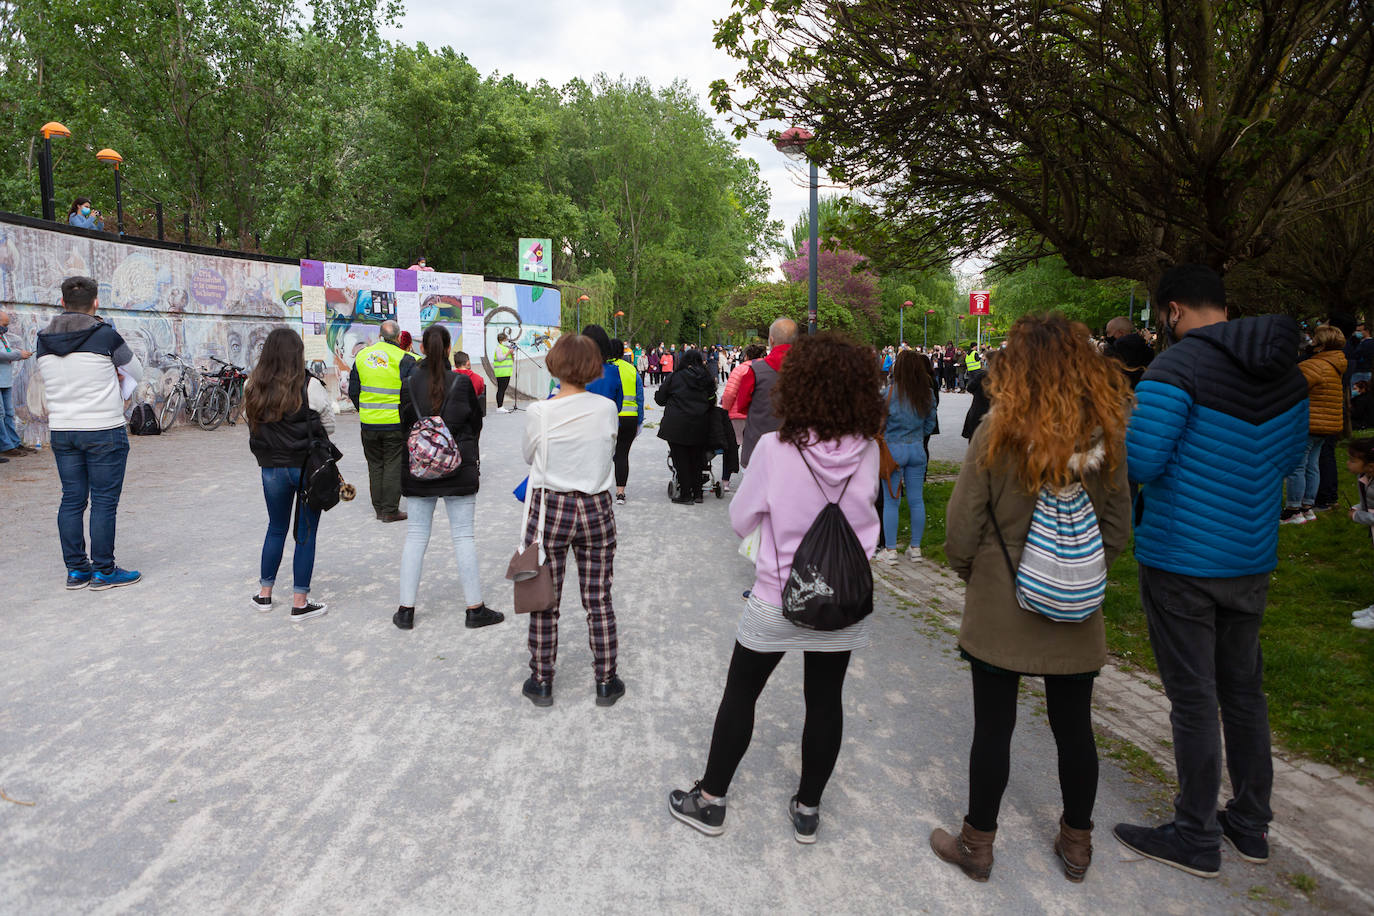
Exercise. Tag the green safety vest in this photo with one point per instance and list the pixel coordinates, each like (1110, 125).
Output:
(379, 376)
(628, 377)
(503, 363)
(971, 362)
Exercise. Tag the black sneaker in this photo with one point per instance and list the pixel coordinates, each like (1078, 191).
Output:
(540, 693)
(620, 499)
(1163, 845)
(482, 617)
(310, 610)
(609, 691)
(697, 813)
(1249, 847)
(804, 826)
(261, 603)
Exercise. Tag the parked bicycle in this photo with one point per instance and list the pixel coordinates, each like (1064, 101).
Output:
(233, 379)
(196, 391)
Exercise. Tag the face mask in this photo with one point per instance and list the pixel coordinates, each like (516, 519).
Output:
(85, 211)
(1359, 335)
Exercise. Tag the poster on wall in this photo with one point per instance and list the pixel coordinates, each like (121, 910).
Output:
(536, 260)
(474, 328)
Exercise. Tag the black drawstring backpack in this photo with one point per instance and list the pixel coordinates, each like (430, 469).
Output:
(830, 585)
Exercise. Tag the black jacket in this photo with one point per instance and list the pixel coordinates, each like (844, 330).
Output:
(286, 443)
(687, 398)
(462, 415)
(981, 404)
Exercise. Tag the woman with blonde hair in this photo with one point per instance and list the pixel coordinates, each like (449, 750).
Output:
(1056, 429)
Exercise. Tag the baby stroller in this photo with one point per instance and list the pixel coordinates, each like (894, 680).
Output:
(708, 477)
(720, 443)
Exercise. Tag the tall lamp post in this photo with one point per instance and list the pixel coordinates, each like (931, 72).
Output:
(792, 143)
(110, 156)
(925, 331)
(901, 322)
(581, 299)
(699, 330)
(618, 315)
(45, 183)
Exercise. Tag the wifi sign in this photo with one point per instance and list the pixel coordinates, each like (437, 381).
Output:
(980, 302)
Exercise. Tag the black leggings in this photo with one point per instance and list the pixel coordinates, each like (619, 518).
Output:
(823, 681)
(1069, 703)
(629, 428)
(501, 385)
(687, 464)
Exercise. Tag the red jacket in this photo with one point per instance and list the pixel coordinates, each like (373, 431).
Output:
(745, 396)
(478, 385)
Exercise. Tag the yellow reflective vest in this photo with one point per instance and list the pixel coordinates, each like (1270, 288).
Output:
(628, 391)
(379, 379)
(972, 363)
(503, 361)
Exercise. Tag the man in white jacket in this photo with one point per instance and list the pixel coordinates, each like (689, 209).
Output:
(81, 358)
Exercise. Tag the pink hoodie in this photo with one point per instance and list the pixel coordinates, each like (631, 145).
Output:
(779, 494)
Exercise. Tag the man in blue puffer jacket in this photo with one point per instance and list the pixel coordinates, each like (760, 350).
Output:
(1220, 420)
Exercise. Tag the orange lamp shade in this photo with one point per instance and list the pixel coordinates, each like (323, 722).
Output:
(109, 155)
(54, 129)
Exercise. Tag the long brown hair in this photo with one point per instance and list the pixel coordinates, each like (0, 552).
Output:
(828, 388)
(274, 386)
(1053, 394)
(436, 343)
(911, 380)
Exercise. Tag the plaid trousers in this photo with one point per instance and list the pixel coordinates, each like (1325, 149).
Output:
(586, 523)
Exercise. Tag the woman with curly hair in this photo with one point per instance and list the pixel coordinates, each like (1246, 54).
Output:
(1058, 423)
(824, 451)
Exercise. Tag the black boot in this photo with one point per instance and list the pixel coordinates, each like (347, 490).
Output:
(483, 616)
(404, 618)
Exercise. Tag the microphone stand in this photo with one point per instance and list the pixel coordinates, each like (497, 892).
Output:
(515, 364)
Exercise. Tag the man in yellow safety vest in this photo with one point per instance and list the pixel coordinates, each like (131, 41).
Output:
(374, 387)
(631, 416)
(502, 367)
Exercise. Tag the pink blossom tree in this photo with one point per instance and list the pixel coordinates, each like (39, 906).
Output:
(836, 274)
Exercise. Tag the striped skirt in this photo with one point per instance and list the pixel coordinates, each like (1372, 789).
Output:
(763, 629)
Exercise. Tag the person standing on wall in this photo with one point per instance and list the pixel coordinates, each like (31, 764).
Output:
(502, 368)
(81, 358)
(631, 419)
(374, 387)
(754, 398)
(10, 443)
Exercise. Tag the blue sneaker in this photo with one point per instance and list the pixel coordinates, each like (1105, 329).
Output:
(77, 580)
(101, 581)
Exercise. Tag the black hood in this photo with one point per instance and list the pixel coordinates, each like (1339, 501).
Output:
(68, 333)
(1265, 347)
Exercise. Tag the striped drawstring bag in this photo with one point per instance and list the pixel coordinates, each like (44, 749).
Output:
(1063, 571)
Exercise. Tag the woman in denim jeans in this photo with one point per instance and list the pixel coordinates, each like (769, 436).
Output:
(911, 419)
(435, 390)
(286, 409)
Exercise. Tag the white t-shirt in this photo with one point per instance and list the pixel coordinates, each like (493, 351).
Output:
(581, 431)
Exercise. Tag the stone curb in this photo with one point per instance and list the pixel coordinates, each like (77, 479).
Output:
(1320, 813)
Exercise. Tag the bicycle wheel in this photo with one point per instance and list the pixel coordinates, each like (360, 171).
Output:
(171, 408)
(214, 407)
(235, 403)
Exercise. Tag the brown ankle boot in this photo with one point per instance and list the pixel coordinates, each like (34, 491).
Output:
(1075, 848)
(971, 850)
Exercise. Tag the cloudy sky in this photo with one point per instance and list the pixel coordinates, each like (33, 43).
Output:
(661, 40)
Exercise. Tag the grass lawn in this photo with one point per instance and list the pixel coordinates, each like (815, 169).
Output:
(1319, 670)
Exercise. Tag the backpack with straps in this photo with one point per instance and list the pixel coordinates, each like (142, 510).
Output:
(433, 450)
(830, 585)
(1063, 571)
(143, 421)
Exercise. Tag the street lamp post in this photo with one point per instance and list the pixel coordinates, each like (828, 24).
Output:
(699, 330)
(110, 156)
(901, 322)
(45, 182)
(792, 143)
(925, 331)
(618, 315)
(581, 299)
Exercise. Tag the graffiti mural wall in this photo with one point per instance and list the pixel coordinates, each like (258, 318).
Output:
(161, 300)
(344, 305)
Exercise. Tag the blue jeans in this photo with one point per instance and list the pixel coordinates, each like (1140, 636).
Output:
(911, 461)
(461, 511)
(90, 464)
(279, 487)
(9, 435)
(1303, 482)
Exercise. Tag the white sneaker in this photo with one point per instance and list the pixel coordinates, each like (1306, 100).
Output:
(886, 555)
(1363, 612)
(913, 553)
(1309, 515)
(1363, 623)
(503, 410)
(1297, 518)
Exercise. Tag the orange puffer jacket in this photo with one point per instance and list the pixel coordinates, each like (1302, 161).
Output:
(1325, 374)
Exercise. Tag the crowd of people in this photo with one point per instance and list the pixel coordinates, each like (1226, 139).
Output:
(1078, 444)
